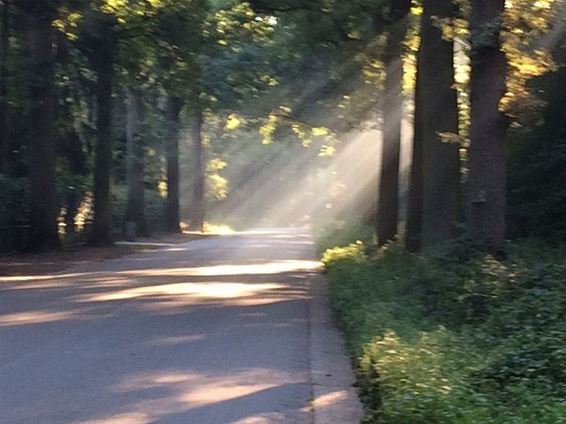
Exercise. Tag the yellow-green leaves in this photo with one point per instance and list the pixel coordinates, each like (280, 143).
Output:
(125, 10)
(233, 122)
(240, 22)
(218, 185)
(68, 23)
(327, 151)
(320, 132)
(268, 129)
(524, 25)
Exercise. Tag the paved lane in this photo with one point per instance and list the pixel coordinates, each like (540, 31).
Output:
(212, 331)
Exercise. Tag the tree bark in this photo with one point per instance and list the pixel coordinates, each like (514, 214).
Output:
(4, 47)
(197, 204)
(103, 61)
(388, 200)
(487, 163)
(435, 174)
(413, 239)
(174, 106)
(135, 160)
(43, 201)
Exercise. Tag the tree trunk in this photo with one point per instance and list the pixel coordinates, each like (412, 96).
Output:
(435, 174)
(174, 106)
(197, 204)
(135, 161)
(4, 46)
(103, 61)
(73, 202)
(43, 201)
(413, 241)
(486, 182)
(388, 200)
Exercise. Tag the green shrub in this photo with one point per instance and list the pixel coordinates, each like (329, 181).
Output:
(455, 338)
(342, 234)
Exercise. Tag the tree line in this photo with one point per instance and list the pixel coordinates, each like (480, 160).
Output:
(95, 92)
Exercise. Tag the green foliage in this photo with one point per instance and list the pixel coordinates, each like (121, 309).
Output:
(537, 141)
(14, 194)
(341, 234)
(289, 71)
(154, 209)
(454, 340)
(537, 195)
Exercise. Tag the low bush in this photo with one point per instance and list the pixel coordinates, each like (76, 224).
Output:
(341, 234)
(453, 338)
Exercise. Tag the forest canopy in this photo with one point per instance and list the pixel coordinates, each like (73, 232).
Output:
(427, 120)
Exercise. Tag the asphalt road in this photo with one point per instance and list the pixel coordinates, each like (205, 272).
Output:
(212, 331)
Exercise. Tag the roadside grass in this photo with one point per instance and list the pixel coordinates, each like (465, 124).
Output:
(457, 337)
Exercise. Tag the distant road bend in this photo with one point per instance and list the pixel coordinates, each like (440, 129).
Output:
(220, 330)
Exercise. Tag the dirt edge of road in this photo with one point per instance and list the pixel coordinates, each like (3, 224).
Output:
(23, 264)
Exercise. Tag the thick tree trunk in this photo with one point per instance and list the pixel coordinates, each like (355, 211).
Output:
(197, 204)
(103, 61)
(4, 47)
(135, 161)
(388, 200)
(486, 182)
(174, 106)
(414, 229)
(43, 202)
(435, 173)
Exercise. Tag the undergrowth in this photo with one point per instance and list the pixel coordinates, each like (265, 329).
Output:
(454, 338)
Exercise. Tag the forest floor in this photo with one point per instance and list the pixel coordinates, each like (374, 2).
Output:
(78, 254)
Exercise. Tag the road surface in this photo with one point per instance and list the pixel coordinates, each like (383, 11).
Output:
(220, 330)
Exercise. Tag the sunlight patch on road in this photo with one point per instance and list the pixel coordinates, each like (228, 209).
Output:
(187, 391)
(269, 268)
(174, 305)
(175, 340)
(145, 381)
(203, 290)
(221, 391)
(331, 398)
(127, 418)
(35, 317)
(34, 278)
(269, 418)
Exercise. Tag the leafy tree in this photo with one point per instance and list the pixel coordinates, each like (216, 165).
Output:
(487, 166)
(537, 154)
(435, 173)
(179, 29)
(105, 89)
(99, 41)
(43, 203)
(4, 47)
(388, 204)
(135, 159)
(172, 216)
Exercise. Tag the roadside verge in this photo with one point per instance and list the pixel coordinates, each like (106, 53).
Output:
(335, 399)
